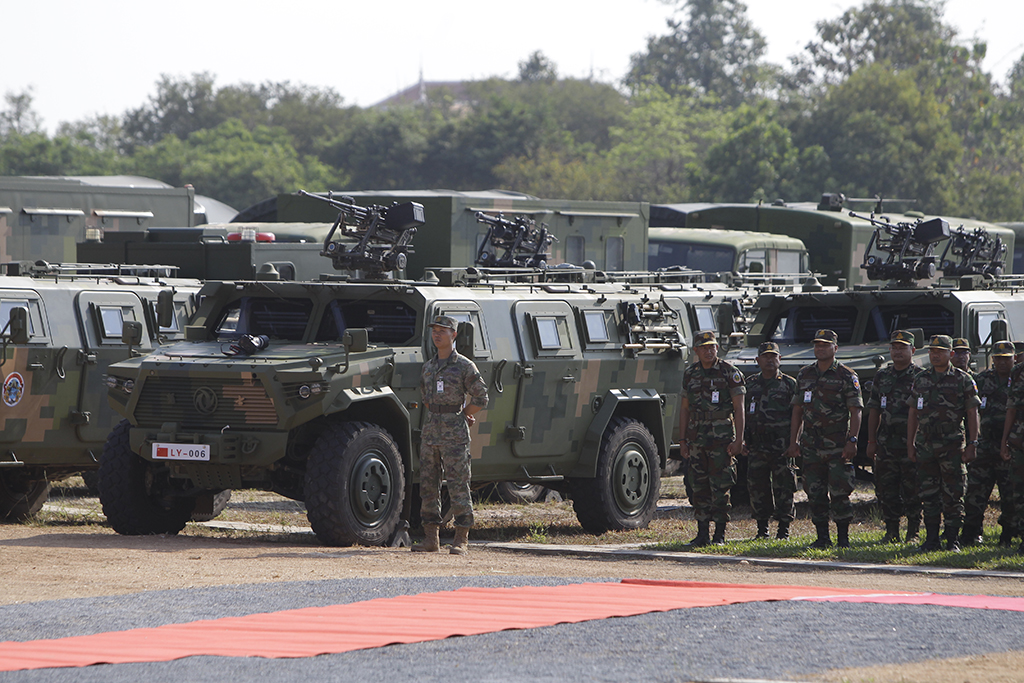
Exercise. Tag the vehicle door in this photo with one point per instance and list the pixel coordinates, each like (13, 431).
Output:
(31, 374)
(546, 380)
(101, 317)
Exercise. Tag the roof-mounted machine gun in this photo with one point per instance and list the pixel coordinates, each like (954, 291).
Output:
(973, 252)
(384, 234)
(909, 249)
(522, 243)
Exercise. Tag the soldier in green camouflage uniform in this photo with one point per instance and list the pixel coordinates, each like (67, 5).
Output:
(962, 355)
(1012, 449)
(939, 401)
(445, 381)
(989, 468)
(826, 418)
(895, 474)
(771, 476)
(711, 435)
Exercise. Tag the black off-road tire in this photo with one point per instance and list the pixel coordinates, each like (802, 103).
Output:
(21, 498)
(519, 492)
(219, 502)
(138, 496)
(624, 494)
(355, 483)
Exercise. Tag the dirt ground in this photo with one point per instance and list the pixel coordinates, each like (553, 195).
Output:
(53, 562)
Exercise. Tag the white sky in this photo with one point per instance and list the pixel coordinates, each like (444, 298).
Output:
(105, 56)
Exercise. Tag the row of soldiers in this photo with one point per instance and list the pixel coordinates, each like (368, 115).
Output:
(917, 423)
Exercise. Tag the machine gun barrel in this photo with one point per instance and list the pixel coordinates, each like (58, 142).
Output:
(522, 243)
(908, 247)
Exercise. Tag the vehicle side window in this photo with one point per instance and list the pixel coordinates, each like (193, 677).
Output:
(479, 338)
(596, 326)
(614, 253)
(277, 318)
(386, 322)
(575, 249)
(705, 318)
(111, 320)
(8, 305)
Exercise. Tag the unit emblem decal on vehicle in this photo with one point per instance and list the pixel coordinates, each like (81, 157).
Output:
(205, 400)
(14, 389)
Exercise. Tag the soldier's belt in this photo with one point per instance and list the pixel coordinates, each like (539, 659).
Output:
(708, 415)
(444, 409)
(941, 429)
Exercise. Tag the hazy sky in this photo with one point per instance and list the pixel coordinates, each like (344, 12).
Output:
(105, 56)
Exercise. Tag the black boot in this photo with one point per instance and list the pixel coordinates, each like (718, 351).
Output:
(783, 531)
(952, 536)
(719, 538)
(931, 538)
(762, 529)
(913, 525)
(1006, 537)
(843, 534)
(824, 541)
(892, 531)
(971, 535)
(702, 538)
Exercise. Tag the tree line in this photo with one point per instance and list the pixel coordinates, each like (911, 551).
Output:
(887, 99)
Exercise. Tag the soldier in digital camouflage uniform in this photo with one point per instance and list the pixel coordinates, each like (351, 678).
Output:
(771, 475)
(989, 469)
(445, 382)
(826, 418)
(940, 399)
(895, 474)
(711, 435)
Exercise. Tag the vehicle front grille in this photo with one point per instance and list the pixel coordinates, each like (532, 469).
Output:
(197, 403)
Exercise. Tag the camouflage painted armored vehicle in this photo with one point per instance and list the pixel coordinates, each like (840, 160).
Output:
(312, 390)
(61, 327)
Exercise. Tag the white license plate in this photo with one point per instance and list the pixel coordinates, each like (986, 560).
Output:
(181, 451)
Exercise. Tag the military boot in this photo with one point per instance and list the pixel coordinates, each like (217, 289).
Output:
(843, 534)
(783, 531)
(702, 538)
(719, 538)
(913, 526)
(971, 535)
(460, 546)
(931, 538)
(892, 531)
(824, 540)
(952, 536)
(1006, 536)
(431, 542)
(762, 529)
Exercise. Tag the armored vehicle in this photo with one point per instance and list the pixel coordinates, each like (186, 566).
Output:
(62, 326)
(311, 389)
(714, 251)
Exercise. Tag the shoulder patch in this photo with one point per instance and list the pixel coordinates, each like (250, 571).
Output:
(737, 377)
(856, 381)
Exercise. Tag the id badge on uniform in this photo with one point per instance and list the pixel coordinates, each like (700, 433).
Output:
(807, 396)
(984, 401)
(714, 397)
(440, 386)
(753, 407)
(920, 402)
(883, 401)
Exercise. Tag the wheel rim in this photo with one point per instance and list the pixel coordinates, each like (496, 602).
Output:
(631, 477)
(371, 491)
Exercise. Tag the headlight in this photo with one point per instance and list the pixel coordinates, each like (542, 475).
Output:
(128, 385)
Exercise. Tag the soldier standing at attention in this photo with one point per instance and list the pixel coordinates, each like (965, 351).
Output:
(771, 477)
(1012, 449)
(962, 355)
(989, 468)
(711, 435)
(445, 381)
(827, 412)
(895, 474)
(939, 401)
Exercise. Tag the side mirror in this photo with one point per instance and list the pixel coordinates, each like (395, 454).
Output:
(464, 340)
(18, 331)
(131, 333)
(999, 330)
(355, 340)
(165, 308)
(725, 317)
(918, 333)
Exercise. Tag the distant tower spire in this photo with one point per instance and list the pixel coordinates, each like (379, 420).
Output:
(423, 87)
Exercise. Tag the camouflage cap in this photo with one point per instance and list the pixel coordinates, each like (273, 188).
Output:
(444, 321)
(902, 337)
(941, 341)
(961, 343)
(768, 347)
(826, 336)
(704, 338)
(1003, 348)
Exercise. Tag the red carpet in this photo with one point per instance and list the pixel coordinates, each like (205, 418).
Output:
(429, 616)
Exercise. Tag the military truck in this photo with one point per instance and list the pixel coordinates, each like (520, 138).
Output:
(835, 239)
(714, 251)
(60, 328)
(1018, 250)
(312, 390)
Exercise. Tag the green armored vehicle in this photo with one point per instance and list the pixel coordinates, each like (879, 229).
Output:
(61, 328)
(715, 251)
(312, 389)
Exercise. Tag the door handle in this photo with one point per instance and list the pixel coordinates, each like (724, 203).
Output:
(568, 378)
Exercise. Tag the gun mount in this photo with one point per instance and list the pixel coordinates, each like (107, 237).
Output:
(522, 243)
(383, 235)
(909, 249)
(973, 252)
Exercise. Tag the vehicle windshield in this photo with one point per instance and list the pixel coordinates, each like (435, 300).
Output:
(275, 317)
(386, 322)
(799, 325)
(696, 256)
(884, 320)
